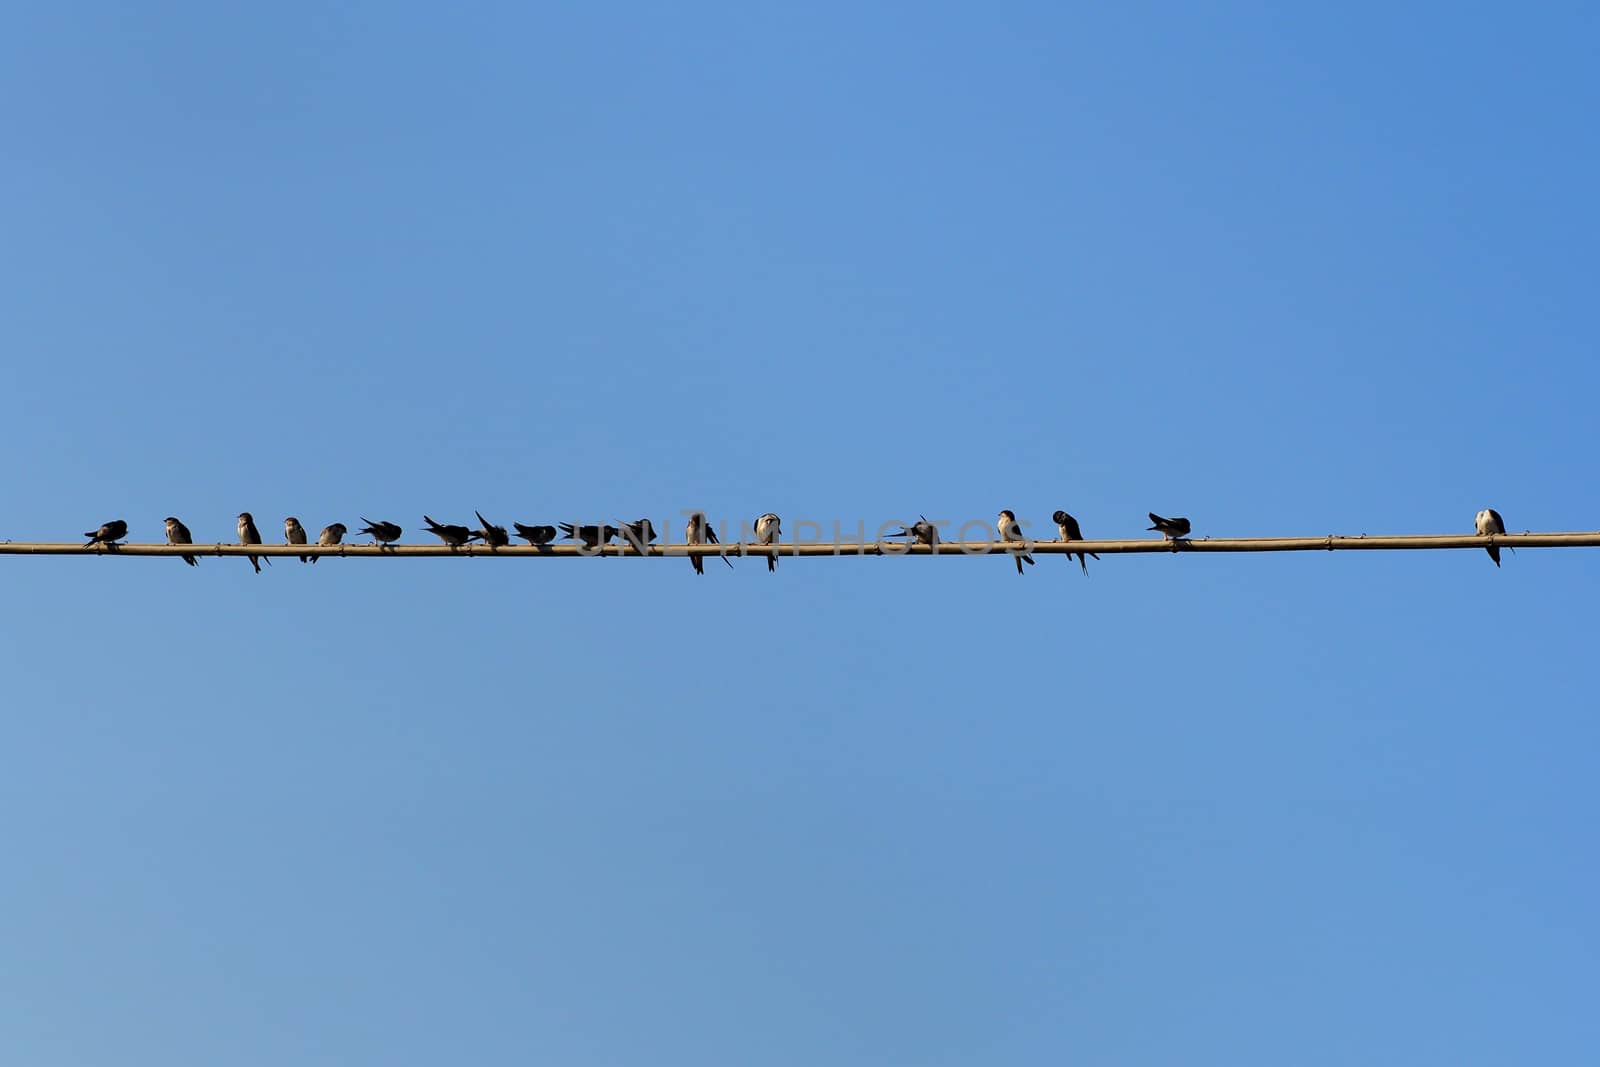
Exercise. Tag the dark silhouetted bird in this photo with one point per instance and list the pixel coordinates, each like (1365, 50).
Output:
(1067, 526)
(639, 533)
(1170, 528)
(1010, 530)
(535, 535)
(592, 535)
(699, 531)
(330, 535)
(249, 535)
(768, 530)
(178, 534)
(295, 534)
(454, 536)
(1489, 522)
(108, 534)
(384, 532)
(921, 532)
(490, 534)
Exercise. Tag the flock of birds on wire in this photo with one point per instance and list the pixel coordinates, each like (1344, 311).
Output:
(699, 531)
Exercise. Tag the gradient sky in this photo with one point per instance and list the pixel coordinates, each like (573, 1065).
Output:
(1284, 272)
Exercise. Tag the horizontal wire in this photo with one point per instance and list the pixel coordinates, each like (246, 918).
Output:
(1330, 543)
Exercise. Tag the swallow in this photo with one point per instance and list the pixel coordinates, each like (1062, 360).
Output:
(111, 532)
(700, 532)
(921, 532)
(330, 535)
(638, 534)
(1010, 530)
(454, 536)
(178, 534)
(1068, 528)
(295, 534)
(490, 534)
(1170, 528)
(592, 535)
(249, 535)
(768, 531)
(1489, 523)
(381, 531)
(536, 535)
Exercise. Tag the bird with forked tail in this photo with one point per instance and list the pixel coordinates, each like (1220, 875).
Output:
(382, 532)
(699, 531)
(108, 534)
(249, 535)
(330, 535)
(490, 534)
(768, 529)
(593, 535)
(1490, 523)
(921, 532)
(1172, 529)
(295, 534)
(640, 533)
(178, 534)
(1067, 526)
(535, 535)
(1010, 530)
(454, 536)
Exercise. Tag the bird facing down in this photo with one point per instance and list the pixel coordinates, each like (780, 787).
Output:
(535, 535)
(490, 534)
(178, 534)
(1068, 528)
(330, 535)
(295, 534)
(699, 531)
(1010, 530)
(593, 535)
(921, 532)
(638, 533)
(454, 536)
(384, 532)
(109, 533)
(249, 535)
(768, 530)
(1489, 522)
(1170, 528)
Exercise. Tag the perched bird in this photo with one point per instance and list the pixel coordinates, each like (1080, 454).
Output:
(700, 532)
(535, 535)
(767, 533)
(639, 533)
(1068, 528)
(295, 534)
(249, 535)
(1011, 530)
(108, 534)
(381, 531)
(1489, 522)
(921, 532)
(1170, 528)
(178, 534)
(454, 536)
(592, 535)
(490, 534)
(330, 535)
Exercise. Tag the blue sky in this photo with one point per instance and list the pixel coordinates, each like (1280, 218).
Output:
(1284, 272)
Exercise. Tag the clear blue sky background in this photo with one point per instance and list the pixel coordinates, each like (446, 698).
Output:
(1285, 273)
